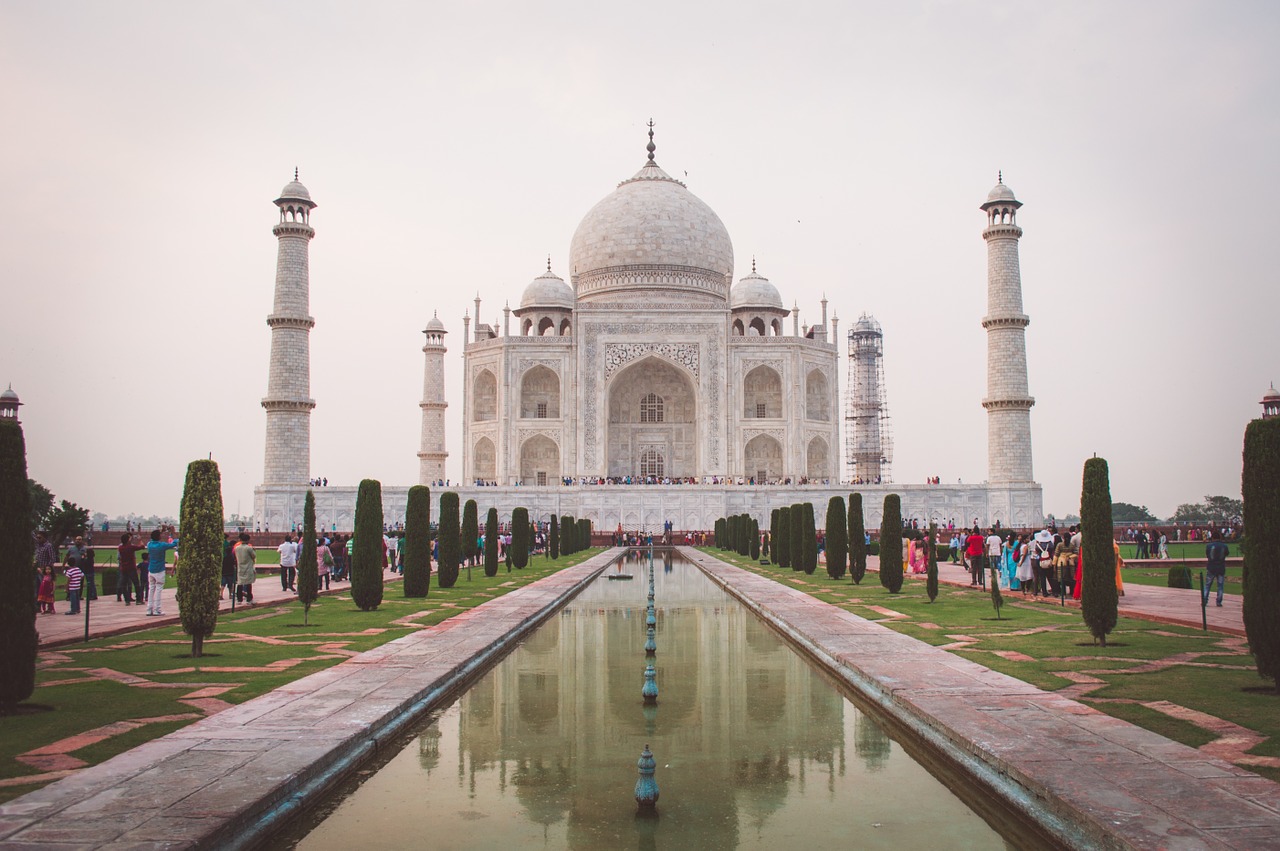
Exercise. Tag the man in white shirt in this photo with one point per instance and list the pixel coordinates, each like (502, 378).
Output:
(994, 545)
(288, 563)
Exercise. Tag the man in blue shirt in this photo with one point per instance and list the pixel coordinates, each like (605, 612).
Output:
(156, 549)
(1216, 553)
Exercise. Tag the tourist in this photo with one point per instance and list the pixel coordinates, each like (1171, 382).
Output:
(228, 587)
(955, 548)
(1215, 552)
(246, 569)
(973, 546)
(83, 558)
(288, 563)
(127, 559)
(44, 595)
(1164, 546)
(44, 555)
(994, 546)
(156, 549)
(324, 564)
(1009, 563)
(1025, 574)
(75, 578)
(1041, 561)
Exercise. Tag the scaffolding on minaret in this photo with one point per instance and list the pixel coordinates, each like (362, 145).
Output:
(868, 443)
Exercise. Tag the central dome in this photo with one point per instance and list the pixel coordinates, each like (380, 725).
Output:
(651, 234)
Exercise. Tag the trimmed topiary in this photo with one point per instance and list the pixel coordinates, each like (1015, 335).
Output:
(491, 542)
(891, 544)
(931, 569)
(417, 542)
(367, 552)
(782, 537)
(568, 544)
(520, 537)
(470, 535)
(1260, 487)
(200, 531)
(755, 539)
(308, 580)
(584, 534)
(553, 542)
(809, 538)
(837, 537)
(447, 538)
(997, 599)
(795, 546)
(857, 539)
(1098, 599)
(18, 634)
(1179, 576)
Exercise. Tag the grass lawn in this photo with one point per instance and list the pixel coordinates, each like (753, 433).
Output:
(1160, 576)
(1145, 667)
(84, 688)
(1181, 550)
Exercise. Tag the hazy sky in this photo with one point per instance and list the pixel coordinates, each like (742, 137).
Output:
(452, 147)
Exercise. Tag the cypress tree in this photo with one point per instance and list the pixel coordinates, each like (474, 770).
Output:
(770, 550)
(520, 537)
(491, 542)
(447, 537)
(795, 547)
(553, 545)
(470, 533)
(568, 545)
(417, 542)
(857, 539)
(366, 555)
(731, 532)
(308, 567)
(931, 574)
(744, 534)
(891, 544)
(1098, 599)
(997, 599)
(782, 537)
(755, 539)
(200, 531)
(1260, 487)
(18, 634)
(810, 539)
(584, 533)
(837, 537)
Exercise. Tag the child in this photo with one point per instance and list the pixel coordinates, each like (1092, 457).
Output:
(45, 596)
(75, 579)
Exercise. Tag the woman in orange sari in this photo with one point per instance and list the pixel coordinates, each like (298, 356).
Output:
(1080, 572)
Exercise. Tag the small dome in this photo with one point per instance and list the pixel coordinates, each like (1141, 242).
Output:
(10, 396)
(867, 322)
(1000, 192)
(1272, 393)
(547, 290)
(754, 290)
(295, 191)
(435, 325)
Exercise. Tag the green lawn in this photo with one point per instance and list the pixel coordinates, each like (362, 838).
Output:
(1159, 575)
(1182, 550)
(69, 699)
(1218, 678)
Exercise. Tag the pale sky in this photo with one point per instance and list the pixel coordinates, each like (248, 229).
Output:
(452, 147)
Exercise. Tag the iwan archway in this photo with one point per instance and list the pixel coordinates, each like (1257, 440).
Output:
(653, 425)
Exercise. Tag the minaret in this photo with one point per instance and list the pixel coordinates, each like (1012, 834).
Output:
(432, 456)
(288, 401)
(1008, 402)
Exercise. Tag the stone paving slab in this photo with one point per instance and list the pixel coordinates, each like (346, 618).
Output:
(1088, 779)
(224, 781)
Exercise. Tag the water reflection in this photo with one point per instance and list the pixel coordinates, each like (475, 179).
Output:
(750, 742)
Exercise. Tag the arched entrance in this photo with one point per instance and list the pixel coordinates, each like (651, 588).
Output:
(539, 461)
(762, 459)
(652, 421)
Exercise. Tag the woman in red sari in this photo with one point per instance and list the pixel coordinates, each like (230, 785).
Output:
(1080, 572)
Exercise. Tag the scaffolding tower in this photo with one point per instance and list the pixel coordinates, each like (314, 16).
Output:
(868, 442)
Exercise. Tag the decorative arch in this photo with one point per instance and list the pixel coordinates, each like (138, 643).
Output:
(546, 327)
(484, 465)
(817, 396)
(484, 397)
(757, 328)
(566, 328)
(776, 326)
(738, 329)
(762, 458)
(539, 461)
(540, 394)
(818, 465)
(652, 405)
(762, 393)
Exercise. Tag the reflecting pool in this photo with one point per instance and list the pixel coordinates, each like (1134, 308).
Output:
(754, 747)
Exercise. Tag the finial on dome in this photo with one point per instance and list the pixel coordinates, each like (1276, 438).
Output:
(548, 262)
(753, 264)
(651, 147)
(999, 176)
(295, 172)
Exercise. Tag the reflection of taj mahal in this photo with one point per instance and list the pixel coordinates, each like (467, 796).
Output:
(650, 365)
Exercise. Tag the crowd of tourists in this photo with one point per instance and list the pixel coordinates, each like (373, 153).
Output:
(1047, 563)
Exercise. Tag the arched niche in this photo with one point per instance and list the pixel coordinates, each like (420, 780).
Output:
(540, 394)
(817, 396)
(818, 464)
(546, 327)
(484, 397)
(762, 458)
(652, 405)
(566, 328)
(485, 460)
(762, 393)
(539, 461)
(738, 328)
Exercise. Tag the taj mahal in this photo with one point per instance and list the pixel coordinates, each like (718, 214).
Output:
(650, 388)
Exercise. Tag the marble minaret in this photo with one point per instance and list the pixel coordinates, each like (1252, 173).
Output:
(1008, 401)
(432, 455)
(288, 401)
